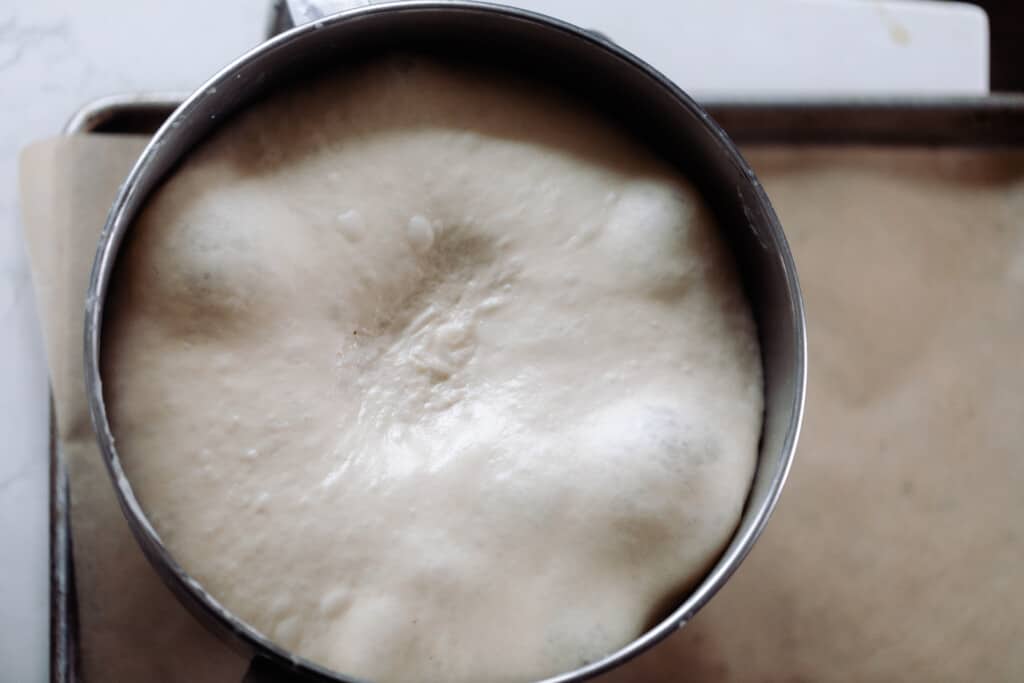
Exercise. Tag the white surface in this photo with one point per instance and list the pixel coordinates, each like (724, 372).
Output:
(56, 55)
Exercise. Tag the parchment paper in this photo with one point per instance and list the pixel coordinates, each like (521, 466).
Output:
(897, 552)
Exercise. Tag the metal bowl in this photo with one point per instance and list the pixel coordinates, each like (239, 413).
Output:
(576, 61)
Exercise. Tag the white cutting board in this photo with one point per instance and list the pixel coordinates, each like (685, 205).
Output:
(732, 49)
(58, 54)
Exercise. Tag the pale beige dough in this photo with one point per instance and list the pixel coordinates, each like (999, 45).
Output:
(431, 376)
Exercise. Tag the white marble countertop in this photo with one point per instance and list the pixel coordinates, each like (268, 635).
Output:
(56, 55)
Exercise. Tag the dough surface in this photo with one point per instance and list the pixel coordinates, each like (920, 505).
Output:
(432, 376)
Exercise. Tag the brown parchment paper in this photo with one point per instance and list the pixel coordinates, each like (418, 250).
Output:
(897, 551)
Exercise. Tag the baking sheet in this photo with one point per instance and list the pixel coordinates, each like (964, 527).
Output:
(895, 550)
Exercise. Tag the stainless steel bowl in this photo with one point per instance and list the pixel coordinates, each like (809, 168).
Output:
(576, 61)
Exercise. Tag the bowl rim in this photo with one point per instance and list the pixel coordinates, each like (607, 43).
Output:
(205, 606)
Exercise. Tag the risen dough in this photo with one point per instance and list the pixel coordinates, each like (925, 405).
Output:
(431, 376)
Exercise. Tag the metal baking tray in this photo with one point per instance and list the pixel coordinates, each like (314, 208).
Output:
(993, 121)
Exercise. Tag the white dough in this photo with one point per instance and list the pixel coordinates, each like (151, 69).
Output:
(432, 376)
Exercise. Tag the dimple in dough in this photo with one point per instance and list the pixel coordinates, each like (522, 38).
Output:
(433, 376)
